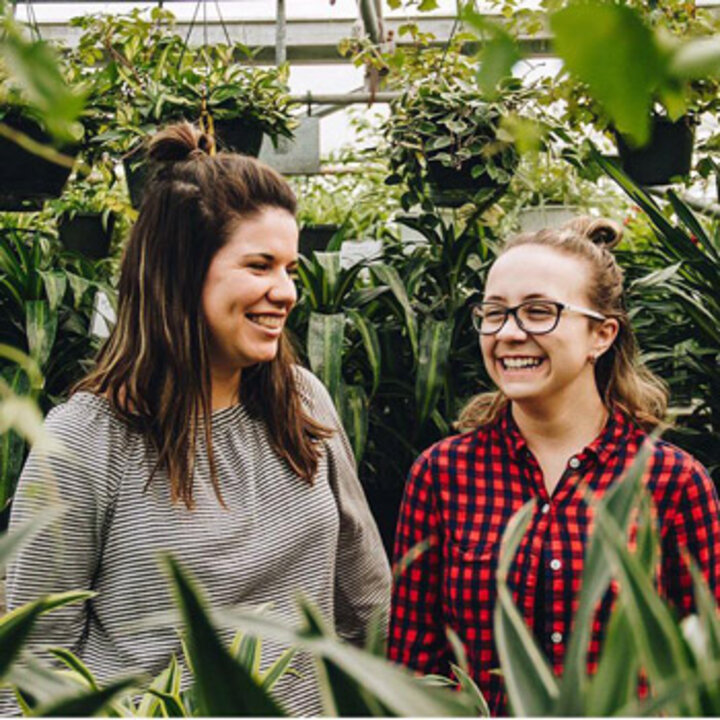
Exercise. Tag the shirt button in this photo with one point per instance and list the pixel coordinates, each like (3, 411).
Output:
(545, 509)
(574, 463)
(556, 638)
(555, 564)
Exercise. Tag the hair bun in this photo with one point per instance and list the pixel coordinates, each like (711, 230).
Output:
(180, 142)
(599, 231)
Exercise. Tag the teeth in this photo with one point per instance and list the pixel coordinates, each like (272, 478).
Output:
(268, 321)
(521, 362)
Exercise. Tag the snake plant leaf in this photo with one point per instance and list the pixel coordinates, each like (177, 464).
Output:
(531, 686)
(371, 343)
(325, 349)
(224, 687)
(41, 328)
(389, 276)
(354, 411)
(434, 351)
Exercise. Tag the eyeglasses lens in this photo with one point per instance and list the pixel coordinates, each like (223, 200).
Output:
(532, 317)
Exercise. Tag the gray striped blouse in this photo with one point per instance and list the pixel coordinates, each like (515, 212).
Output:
(277, 536)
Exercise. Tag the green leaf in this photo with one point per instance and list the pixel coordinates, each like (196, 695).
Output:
(224, 687)
(75, 664)
(15, 626)
(12, 445)
(371, 343)
(325, 349)
(277, 669)
(434, 351)
(608, 47)
(388, 275)
(470, 688)
(172, 704)
(696, 59)
(41, 329)
(531, 686)
(55, 283)
(353, 407)
(87, 703)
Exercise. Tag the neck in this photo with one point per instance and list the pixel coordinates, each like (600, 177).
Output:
(225, 387)
(567, 427)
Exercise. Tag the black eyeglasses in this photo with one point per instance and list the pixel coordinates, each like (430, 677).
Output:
(535, 317)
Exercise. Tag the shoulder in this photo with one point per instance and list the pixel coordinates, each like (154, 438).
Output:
(436, 461)
(674, 471)
(314, 396)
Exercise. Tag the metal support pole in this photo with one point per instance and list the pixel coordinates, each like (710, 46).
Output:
(280, 34)
(370, 20)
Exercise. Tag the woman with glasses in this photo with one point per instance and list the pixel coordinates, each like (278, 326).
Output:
(571, 410)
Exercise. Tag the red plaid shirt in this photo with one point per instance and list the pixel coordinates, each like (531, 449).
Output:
(463, 490)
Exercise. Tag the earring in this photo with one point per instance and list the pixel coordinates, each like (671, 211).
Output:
(592, 359)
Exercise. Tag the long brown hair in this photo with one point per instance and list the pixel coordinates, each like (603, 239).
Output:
(621, 380)
(154, 368)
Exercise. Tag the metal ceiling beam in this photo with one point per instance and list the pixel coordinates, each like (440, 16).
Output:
(307, 40)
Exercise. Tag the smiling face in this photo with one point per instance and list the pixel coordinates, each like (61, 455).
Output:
(550, 368)
(249, 290)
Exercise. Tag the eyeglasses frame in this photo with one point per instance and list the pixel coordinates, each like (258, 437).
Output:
(561, 307)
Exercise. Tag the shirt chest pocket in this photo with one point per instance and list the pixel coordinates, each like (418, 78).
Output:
(469, 582)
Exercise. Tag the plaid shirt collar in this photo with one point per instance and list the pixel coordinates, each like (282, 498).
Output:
(600, 450)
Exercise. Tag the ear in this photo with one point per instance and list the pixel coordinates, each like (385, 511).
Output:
(604, 336)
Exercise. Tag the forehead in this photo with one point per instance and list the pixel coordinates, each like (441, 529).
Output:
(529, 270)
(269, 231)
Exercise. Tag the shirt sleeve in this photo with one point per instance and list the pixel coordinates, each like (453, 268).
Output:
(417, 628)
(696, 529)
(362, 576)
(65, 556)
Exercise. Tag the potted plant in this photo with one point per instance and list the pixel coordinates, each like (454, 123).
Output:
(87, 212)
(445, 144)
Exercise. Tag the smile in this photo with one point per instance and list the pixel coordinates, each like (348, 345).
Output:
(272, 322)
(521, 363)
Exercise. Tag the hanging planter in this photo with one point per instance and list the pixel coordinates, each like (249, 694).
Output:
(315, 238)
(87, 233)
(668, 154)
(454, 186)
(239, 135)
(27, 179)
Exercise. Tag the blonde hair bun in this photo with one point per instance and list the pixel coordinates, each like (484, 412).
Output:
(179, 143)
(599, 231)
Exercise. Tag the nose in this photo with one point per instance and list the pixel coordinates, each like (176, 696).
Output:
(283, 290)
(511, 330)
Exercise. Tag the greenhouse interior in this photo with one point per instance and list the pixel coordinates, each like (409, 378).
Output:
(360, 358)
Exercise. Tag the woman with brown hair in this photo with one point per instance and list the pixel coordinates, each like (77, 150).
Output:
(571, 411)
(198, 435)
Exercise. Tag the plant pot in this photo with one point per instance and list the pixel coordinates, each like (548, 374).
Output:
(668, 153)
(26, 179)
(85, 233)
(136, 169)
(539, 217)
(453, 187)
(315, 238)
(239, 136)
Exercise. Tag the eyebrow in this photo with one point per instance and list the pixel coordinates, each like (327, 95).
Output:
(266, 256)
(529, 296)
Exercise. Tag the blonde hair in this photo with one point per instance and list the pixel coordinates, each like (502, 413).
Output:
(621, 380)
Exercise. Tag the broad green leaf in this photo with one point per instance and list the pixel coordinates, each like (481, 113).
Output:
(15, 626)
(623, 79)
(55, 283)
(79, 286)
(26, 362)
(325, 349)
(88, 703)
(531, 686)
(330, 264)
(354, 411)
(344, 696)
(618, 503)
(434, 351)
(371, 343)
(41, 329)
(388, 275)
(224, 687)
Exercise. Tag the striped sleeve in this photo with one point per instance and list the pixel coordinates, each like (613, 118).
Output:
(362, 582)
(80, 479)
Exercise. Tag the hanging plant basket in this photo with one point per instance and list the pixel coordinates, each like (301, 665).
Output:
(27, 179)
(87, 233)
(315, 238)
(238, 135)
(667, 155)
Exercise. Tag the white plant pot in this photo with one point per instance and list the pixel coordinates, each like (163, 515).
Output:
(532, 219)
